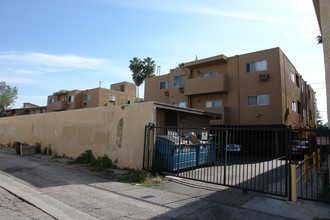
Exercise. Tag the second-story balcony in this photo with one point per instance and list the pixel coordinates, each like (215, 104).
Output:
(57, 106)
(204, 85)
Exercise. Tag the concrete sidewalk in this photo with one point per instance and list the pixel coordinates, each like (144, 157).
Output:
(66, 193)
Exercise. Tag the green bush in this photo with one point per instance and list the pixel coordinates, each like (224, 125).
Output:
(44, 151)
(99, 163)
(84, 158)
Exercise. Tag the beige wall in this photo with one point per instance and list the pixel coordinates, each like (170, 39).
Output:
(322, 8)
(106, 130)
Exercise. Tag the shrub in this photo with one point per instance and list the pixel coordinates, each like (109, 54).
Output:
(38, 148)
(84, 158)
(50, 151)
(44, 151)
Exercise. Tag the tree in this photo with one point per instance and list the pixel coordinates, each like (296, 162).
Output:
(319, 120)
(141, 69)
(319, 39)
(8, 95)
(149, 67)
(180, 65)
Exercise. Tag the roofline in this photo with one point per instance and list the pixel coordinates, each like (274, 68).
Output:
(182, 109)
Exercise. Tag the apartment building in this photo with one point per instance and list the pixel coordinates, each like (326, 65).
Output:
(259, 88)
(119, 93)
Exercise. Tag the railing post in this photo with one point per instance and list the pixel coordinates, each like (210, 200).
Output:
(306, 167)
(319, 157)
(314, 162)
(293, 183)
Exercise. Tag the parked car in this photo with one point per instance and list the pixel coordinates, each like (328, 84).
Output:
(300, 147)
(234, 147)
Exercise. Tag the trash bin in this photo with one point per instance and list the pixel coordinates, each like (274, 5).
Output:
(18, 147)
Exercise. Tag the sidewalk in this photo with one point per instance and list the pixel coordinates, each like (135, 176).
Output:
(66, 193)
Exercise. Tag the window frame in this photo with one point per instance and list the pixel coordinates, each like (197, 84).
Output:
(179, 104)
(256, 66)
(258, 99)
(88, 97)
(71, 98)
(166, 85)
(180, 83)
(212, 102)
(210, 73)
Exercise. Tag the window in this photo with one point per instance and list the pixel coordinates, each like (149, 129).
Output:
(64, 99)
(180, 104)
(51, 101)
(299, 107)
(214, 103)
(212, 73)
(71, 98)
(297, 80)
(294, 107)
(122, 88)
(164, 85)
(302, 87)
(292, 76)
(303, 111)
(87, 97)
(258, 100)
(256, 66)
(112, 98)
(179, 80)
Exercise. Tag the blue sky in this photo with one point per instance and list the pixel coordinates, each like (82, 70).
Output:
(46, 46)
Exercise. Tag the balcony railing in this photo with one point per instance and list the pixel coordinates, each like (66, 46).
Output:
(204, 85)
(57, 106)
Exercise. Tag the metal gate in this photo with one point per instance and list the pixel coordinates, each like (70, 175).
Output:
(250, 158)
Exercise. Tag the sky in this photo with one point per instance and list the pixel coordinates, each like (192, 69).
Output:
(47, 46)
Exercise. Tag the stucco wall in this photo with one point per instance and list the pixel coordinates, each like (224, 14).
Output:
(116, 131)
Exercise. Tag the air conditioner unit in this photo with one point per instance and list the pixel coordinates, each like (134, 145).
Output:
(263, 76)
(181, 89)
(112, 98)
(167, 93)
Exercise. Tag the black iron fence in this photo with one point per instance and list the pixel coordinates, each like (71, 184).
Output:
(250, 158)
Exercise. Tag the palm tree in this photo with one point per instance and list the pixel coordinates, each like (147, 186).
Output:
(149, 67)
(136, 67)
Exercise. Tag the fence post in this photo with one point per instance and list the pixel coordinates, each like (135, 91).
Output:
(314, 162)
(293, 183)
(306, 167)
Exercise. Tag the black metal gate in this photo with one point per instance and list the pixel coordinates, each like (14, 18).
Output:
(250, 158)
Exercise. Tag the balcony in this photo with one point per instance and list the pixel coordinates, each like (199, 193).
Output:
(57, 106)
(204, 85)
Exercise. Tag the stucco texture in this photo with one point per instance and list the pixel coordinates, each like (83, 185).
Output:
(115, 131)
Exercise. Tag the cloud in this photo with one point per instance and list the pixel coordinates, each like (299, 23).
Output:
(190, 7)
(29, 67)
(40, 59)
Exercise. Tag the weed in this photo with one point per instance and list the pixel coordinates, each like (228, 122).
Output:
(38, 148)
(136, 177)
(84, 158)
(50, 151)
(99, 163)
(25, 144)
(9, 144)
(44, 151)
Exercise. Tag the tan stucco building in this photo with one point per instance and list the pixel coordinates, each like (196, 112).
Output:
(322, 9)
(259, 88)
(118, 94)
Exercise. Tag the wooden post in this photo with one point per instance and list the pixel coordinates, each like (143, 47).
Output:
(306, 167)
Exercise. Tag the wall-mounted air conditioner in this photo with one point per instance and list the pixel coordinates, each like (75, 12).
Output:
(167, 93)
(263, 76)
(181, 89)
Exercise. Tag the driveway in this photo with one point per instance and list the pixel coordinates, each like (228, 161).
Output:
(70, 192)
